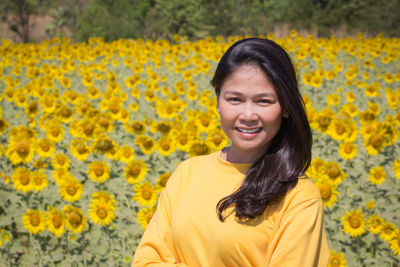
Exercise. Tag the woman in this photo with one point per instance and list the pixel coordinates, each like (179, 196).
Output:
(249, 204)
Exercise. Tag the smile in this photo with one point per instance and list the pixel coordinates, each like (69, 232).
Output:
(255, 130)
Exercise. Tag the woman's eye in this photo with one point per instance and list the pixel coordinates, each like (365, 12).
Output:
(234, 99)
(264, 101)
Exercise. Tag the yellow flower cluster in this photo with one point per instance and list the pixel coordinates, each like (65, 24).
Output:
(105, 124)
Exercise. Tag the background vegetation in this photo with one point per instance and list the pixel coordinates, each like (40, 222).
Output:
(157, 19)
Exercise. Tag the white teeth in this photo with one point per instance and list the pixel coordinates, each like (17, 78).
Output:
(249, 131)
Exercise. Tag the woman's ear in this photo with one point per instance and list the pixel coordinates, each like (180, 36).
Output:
(285, 114)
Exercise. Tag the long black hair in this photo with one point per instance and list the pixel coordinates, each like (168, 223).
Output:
(289, 154)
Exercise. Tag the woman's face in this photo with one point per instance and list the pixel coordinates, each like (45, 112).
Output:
(250, 113)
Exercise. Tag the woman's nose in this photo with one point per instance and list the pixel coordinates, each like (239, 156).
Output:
(248, 112)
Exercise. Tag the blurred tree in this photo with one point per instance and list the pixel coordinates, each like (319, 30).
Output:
(113, 19)
(182, 17)
(17, 13)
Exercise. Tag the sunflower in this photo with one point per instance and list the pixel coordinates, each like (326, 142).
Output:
(354, 223)
(146, 144)
(165, 146)
(20, 151)
(217, 139)
(162, 181)
(34, 221)
(93, 92)
(44, 148)
(98, 171)
(135, 127)
(334, 172)
(370, 204)
(163, 127)
(199, 148)
(394, 243)
(166, 110)
(145, 194)
(3, 125)
(60, 161)
(79, 149)
(375, 223)
(71, 189)
(348, 150)
(328, 191)
(105, 196)
(101, 212)
(377, 175)
(387, 231)
(337, 259)
(135, 171)
(39, 180)
(64, 113)
(22, 179)
(55, 132)
(126, 154)
(55, 221)
(74, 218)
(106, 146)
(144, 216)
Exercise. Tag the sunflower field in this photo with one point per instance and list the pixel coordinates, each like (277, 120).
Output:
(90, 133)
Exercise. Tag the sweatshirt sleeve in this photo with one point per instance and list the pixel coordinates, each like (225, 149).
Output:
(301, 240)
(156, 247)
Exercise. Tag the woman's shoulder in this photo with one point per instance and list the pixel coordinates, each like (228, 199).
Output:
(304, 190)
(198, 160)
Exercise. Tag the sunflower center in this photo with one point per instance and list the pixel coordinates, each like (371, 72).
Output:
(376, 140)
(101, 213)
(104, 122)
(127, 153)
(23, 148)
(147, 193)
(340, 129)
(183, 140)
(24, 179)
(166, 147)
(38, 180)
(66, 112)
(335, 262)
(99, 171)
(200, 149)
(81, 148)
(325, 192)
(348, 149)
(375, 223)
(71, 190)
(333, 172)
(75, 218)
(388, 230)
(61, 160)
(104, 145)
(134, 170)
(137, 127)
(163, 181)
(324, 122)
(355, 221)
(55, 132)
(148, 144)
(35, 219)
(57, 221)
(169, 109)
(45, 146)
(88, 129)
(164, 128)
(217, 139)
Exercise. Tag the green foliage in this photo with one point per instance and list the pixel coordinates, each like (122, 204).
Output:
(113, 19)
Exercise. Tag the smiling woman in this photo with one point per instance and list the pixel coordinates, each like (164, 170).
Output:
(249, 204)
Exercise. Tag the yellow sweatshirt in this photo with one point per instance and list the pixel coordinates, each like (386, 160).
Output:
(185, 229)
